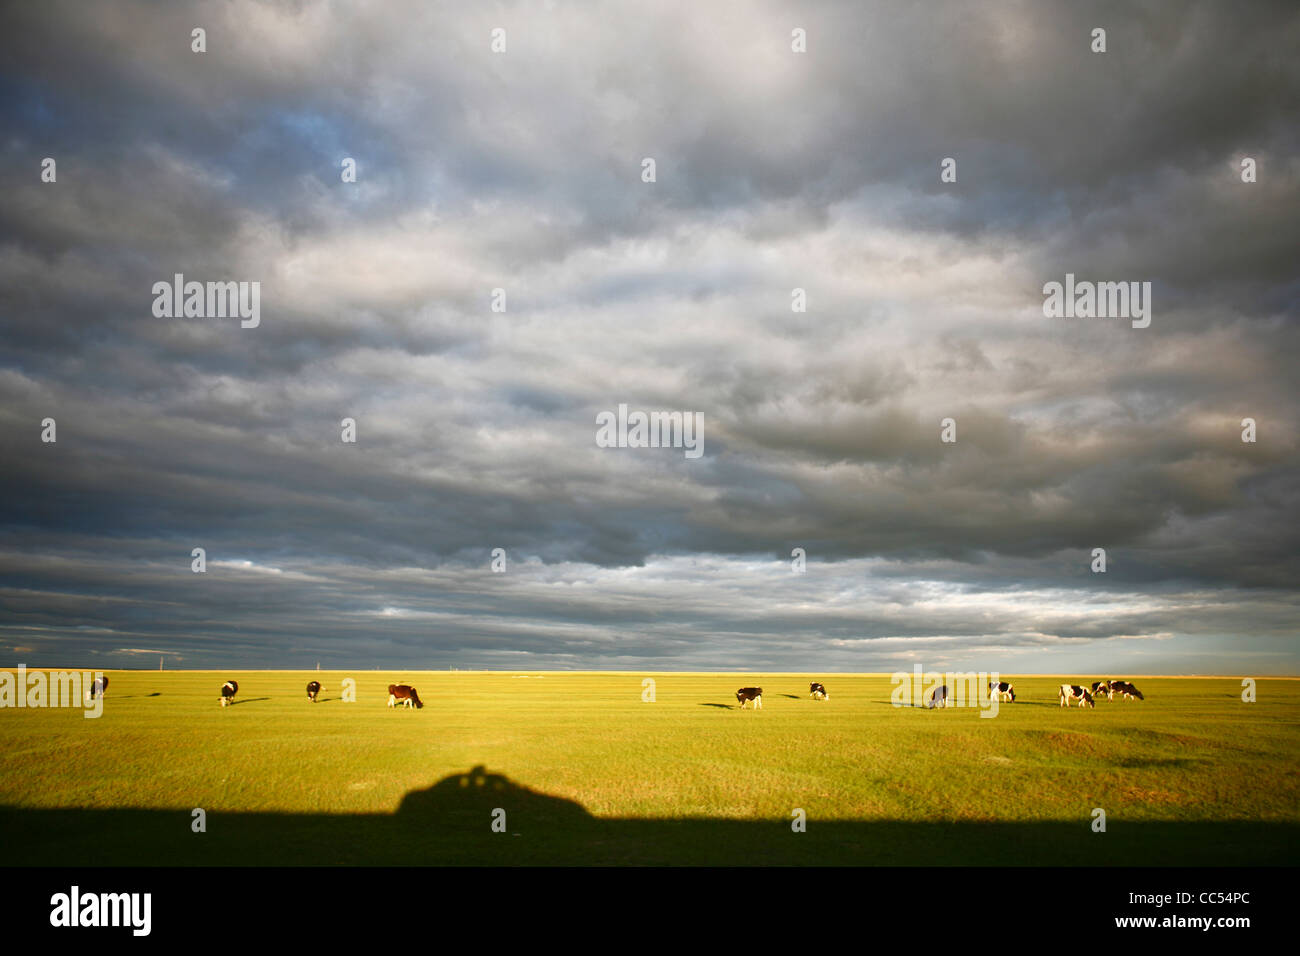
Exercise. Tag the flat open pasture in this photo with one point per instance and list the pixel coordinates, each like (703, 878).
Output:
(586, 772)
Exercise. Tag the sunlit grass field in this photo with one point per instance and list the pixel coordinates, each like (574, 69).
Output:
(587, 772)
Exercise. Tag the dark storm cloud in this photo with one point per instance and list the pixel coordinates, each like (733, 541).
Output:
(476, 428)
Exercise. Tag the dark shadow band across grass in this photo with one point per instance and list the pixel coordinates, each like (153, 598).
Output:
(450, 823)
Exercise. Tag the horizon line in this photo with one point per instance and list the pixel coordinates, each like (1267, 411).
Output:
(472, 670)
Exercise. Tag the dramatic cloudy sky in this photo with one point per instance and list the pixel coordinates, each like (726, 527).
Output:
(476, 429)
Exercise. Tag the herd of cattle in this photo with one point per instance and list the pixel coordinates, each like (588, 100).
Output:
(397, 693)
(1066, 694)
(754, 695)
(941, 694)
(1088, 698)
(403, 694)
(407, 696)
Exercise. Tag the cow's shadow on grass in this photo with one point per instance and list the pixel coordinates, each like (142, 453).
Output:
(247, 700)
(723, 706)
(1004, 705)
(918, 705)
(483, 818)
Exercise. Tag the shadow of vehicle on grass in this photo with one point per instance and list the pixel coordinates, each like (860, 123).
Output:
(483, 818)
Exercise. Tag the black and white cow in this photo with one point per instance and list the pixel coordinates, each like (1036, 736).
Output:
(403, 694)
(1071, 692)
(940, 696)
(1126, 689)
(1002, 689)
(228, 691)
(313, 689)
(97, 688)
(1100, 687)
(746, 694)
(818, 691)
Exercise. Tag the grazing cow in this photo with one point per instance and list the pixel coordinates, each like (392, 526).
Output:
(1126, 689)
(1071, 692)
(228, 691)
(1002, 689)
(940, 697)
(746, 694)
(818, 691)
(97, 688)
(1100, 687)
(313, 689)
(404, 694)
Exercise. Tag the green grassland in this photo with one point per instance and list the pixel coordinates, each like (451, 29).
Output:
(589, 773)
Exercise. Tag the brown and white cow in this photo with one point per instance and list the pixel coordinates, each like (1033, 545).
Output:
(818, 691)
(1071, 692)
(313, 689)
(228, 691)
(403, 694)
(746, 694)
(1002, 689)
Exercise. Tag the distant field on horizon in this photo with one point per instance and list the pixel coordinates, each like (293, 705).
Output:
(586, 772)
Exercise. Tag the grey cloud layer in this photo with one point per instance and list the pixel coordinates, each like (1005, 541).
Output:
(821, 429)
